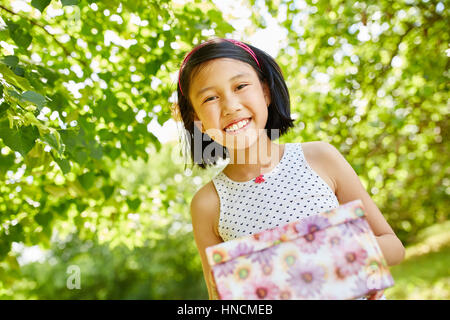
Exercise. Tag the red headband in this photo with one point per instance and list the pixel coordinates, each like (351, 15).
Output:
(235, 42)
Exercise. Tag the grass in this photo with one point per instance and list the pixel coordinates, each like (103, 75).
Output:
(425, 272)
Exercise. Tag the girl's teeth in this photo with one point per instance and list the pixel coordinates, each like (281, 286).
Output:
(238, 125)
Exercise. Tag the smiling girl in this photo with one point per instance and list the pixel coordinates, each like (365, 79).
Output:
(235, 95)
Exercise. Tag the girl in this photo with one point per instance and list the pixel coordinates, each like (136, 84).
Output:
(229, 95)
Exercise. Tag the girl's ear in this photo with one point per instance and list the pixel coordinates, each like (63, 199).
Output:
(266, 91)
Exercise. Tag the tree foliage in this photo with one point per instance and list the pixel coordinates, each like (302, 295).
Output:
(80, 80)
(372, 78)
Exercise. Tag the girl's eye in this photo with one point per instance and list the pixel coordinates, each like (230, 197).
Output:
(208, 99)
(238, 88)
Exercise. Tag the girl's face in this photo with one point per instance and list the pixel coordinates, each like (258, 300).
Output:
(225, 91)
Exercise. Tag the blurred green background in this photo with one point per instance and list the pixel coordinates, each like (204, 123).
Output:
(91, 164)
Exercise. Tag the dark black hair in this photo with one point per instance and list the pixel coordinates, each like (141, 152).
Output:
(278, 112)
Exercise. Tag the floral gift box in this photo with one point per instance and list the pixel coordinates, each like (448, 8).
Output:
(332, 255)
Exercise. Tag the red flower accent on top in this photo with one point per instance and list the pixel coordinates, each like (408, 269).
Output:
(259, 179)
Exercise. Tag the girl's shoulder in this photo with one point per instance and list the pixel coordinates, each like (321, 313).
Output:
(313, 150)
(206, 206)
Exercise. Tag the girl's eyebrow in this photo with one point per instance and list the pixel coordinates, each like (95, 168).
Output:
(239, 75)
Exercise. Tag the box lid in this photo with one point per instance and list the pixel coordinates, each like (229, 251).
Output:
(228, 250)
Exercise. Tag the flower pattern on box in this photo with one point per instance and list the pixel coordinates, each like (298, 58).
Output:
(264, 257)
(261, 289)
(314, 237)
(331, 255)
(306, 279)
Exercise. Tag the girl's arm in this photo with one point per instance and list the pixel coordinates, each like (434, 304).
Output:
(349, 188)
(204, 213)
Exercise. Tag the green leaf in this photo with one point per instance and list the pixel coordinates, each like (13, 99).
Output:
(96, 150)
(14, 79)
(40, 4)
(50, 75)
(52, 140)
(43, 218)
(71, 138)
(3, 107)
(21, 140)
(134, 204)
(36, 156)
(80, 156)
(56, 191)
(69, 2)
(34, 97)
(19, 71)
(215, 15)
(16, 233)
(57, 102)
(14, 94)
(63, 164)
(20, 36)
(5, 246)
(152, 67)
(12, 27)
(107, 191)
(11, 61)
(155, 141)
(6, 162)
(87, 180)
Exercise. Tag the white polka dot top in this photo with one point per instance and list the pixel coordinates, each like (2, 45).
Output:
(291, 191)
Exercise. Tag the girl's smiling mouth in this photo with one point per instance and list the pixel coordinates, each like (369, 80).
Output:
(238, 127)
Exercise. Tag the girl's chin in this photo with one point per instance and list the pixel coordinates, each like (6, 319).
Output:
(240, 142)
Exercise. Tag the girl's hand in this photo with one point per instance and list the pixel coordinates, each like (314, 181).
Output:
(376, 295)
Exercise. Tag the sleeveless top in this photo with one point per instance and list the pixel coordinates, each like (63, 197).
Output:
(291, 191)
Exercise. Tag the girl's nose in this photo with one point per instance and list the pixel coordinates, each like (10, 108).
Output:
(231, 110)
(231, 106)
